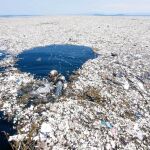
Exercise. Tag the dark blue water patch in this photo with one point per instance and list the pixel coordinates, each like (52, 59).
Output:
(2, 69)
(2, 55)
(63, 58)
(6, 127)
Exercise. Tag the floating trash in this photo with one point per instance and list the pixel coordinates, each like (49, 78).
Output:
(63, 58)
(106, 124)
(59, 88)
(138, 115)
(58, 81)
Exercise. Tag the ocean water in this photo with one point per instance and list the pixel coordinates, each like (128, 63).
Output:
(16, 16)
(64, 58)
(6, 127)
(2, 56)
(2, 69)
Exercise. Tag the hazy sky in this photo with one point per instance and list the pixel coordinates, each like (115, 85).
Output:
(52, 7)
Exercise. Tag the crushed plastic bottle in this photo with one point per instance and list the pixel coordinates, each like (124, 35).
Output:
(106, 124)
(59, 88)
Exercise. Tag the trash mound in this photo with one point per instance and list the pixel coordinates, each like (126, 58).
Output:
(20, 92)
(78, 124)
(63, 58)
(105, 107)
(121, 85)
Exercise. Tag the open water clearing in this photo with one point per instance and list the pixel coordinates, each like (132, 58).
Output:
(64, 58)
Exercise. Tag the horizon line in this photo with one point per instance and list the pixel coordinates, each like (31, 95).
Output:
(81, 14)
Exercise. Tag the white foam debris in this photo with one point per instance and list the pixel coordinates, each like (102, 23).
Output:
(137, 132)
(141, 86)
(46, 128)
(45, 89)
(126, 85)
(17, 138)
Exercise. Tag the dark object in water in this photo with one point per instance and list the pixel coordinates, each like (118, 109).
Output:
(5, 128)
(114, 54)
(63, 58)
(59, 87)
(53, 75)
(58, 81)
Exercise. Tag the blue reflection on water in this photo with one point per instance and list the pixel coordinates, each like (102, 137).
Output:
(63, 58)
(2, 55)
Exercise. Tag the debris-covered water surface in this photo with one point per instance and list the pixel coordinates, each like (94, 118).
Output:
(106, 104)
(22, 91)
(112, 105)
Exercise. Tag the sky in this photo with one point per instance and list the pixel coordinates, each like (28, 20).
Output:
(70, 7)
